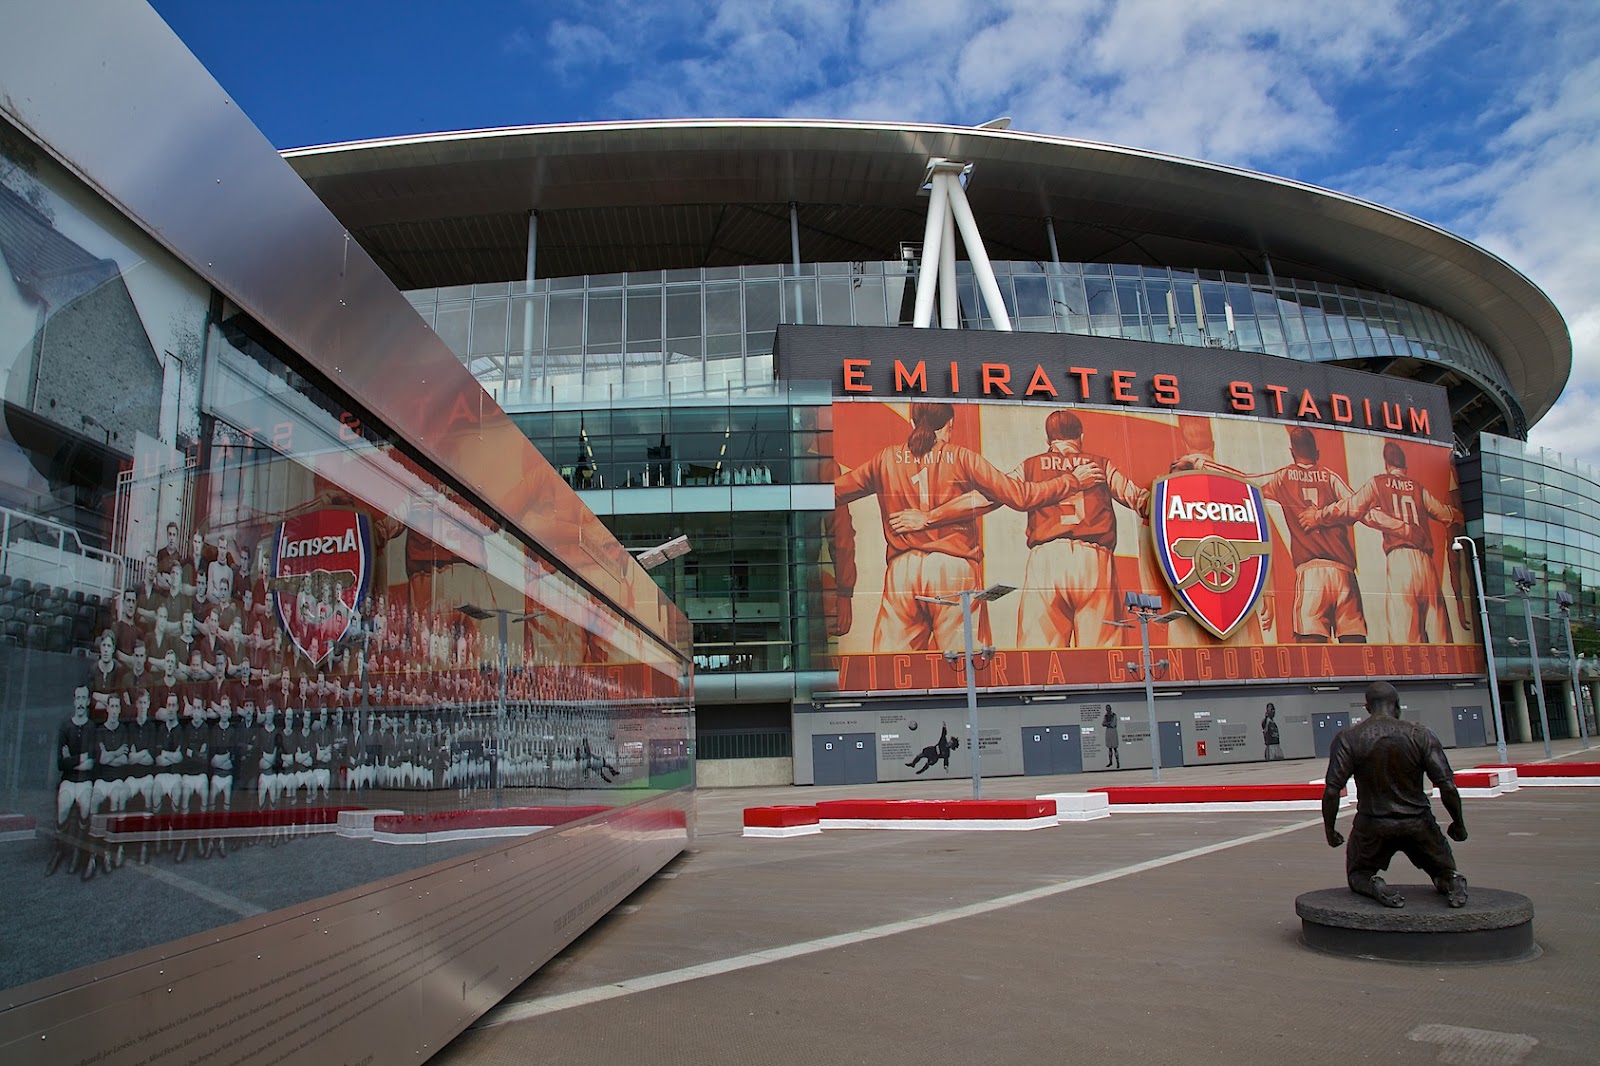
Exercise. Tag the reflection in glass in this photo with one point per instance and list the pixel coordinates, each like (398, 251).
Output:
(234, 609)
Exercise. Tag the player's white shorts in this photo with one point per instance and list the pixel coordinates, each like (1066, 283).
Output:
(1069, 593)
(193, 786)
(168, 787)
(114, 793)
(143, 786)
(70, 794)
(907, 623)
(221, 785)
(1327, 601)
(1416, 599)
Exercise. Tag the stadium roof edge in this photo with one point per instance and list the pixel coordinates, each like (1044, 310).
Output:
(657, 163)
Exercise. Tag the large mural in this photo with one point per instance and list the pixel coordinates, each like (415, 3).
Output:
(1294, 550)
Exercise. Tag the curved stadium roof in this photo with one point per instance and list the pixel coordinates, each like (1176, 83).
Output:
(451, 208)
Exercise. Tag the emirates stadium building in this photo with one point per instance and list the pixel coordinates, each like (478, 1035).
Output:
(393, 535)
(710, 329)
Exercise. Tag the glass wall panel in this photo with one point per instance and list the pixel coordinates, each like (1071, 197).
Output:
(234, 608)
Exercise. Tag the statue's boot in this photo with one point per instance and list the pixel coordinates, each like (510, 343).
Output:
(1377, 889)
(1453, 887)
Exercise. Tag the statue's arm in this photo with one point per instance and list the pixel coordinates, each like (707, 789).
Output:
(1339, 770)
(1450, 796)
(1437, 767)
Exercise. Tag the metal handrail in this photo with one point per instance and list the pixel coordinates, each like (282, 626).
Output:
(42, 531)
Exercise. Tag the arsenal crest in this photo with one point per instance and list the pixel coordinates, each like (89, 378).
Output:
(1212, 539)
(321, 564)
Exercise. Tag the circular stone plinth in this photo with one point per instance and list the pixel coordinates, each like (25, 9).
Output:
(1494, 926)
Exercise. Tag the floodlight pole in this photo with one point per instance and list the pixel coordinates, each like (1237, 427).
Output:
(1144, 608)
(1577, 693)
(1488, 648)
(967, 597)
(972, 696)
(1149, 695)
(1523, 585)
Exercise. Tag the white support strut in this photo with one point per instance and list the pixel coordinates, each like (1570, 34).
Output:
(932, 231)
(949, 297)
(948, 211)
(980, 258)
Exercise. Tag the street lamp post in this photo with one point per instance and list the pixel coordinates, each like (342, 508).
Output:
(1488, 647)
(1144, 607)
(967, 597)
(1525, 579)
(1564, 601)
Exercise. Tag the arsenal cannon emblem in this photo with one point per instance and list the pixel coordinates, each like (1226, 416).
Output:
(1211, 537)
(321, 566)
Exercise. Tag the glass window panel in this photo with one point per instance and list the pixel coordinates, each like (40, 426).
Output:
(1294, 327)
(763, 306)
(724, 373)
(644, 321)
(869, 305)
(800, 301)
(527, 323)
(566, 321)
(489, 327)
(683, 313)
(605, 323)
(967, 300)
(1033, 297)
(723, 313)
(686, 371)
(1008, 299)
(835, 302)
(453, 326)
(1130, 300)
(1101, 299)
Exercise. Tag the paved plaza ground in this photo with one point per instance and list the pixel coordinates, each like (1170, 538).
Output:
(1146, 938)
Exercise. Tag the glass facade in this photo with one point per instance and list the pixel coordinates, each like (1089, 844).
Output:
(654, 394)
(616, 338)
(1540, 510)
(246, 628)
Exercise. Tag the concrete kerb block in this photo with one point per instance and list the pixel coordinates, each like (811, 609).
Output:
(789, 820)
(1079, 806)
(357, 825)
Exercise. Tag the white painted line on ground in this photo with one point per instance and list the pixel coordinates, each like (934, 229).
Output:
(213, 896)
(518, 1012)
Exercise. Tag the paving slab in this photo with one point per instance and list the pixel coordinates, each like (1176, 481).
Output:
(1155, 938)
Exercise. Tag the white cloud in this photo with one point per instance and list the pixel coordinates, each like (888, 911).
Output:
(1527, 191)
(1483, 118)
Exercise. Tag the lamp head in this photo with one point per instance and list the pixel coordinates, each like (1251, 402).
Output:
(1141, 602)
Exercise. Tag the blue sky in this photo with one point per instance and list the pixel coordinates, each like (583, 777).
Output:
(1483, 118)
